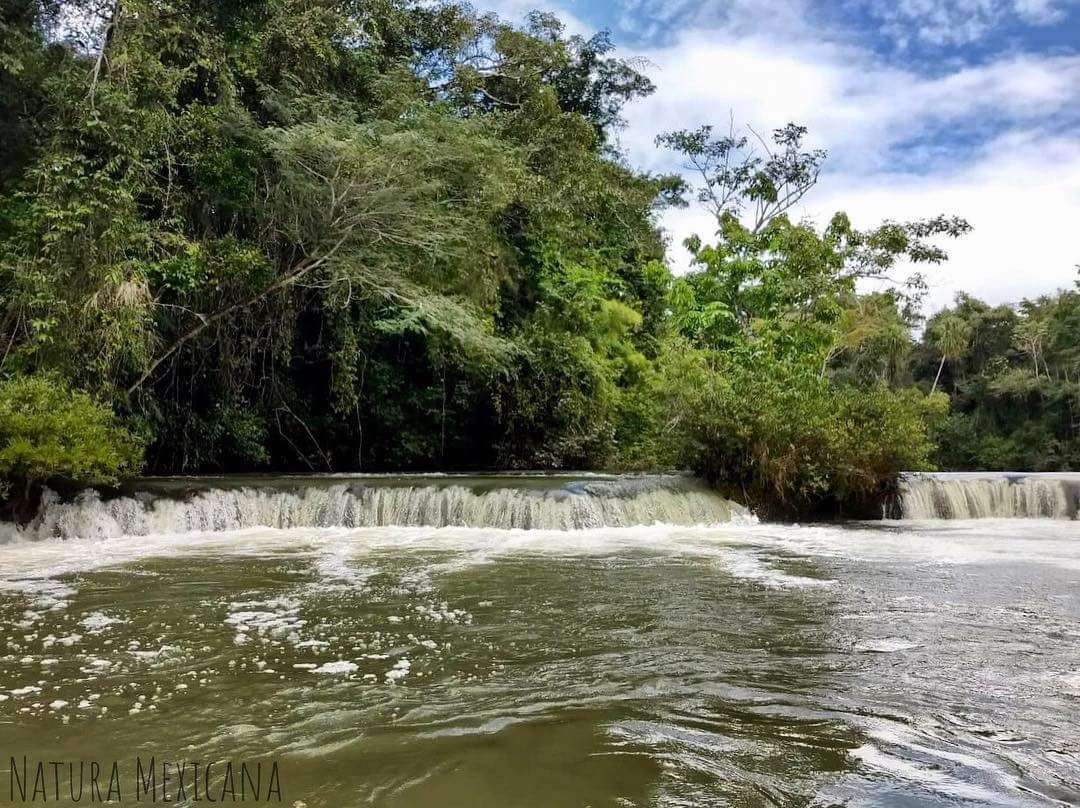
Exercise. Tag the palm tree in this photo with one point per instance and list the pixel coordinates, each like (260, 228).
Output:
(950, 335)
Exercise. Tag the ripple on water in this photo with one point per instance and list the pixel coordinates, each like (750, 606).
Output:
(739, 665)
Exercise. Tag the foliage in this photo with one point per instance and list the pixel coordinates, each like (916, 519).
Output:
(48, 431)
(1014, 379)
(950, 336)
(785, 392)
(781, 435)
(400, 235)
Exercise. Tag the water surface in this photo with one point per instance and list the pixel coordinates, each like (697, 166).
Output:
(890, 664)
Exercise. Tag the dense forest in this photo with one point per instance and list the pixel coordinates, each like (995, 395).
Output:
(391, 235)
(1013, 377)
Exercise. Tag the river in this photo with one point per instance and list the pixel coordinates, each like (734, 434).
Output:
(553, 641)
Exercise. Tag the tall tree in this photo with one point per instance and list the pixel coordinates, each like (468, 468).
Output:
(950, 336)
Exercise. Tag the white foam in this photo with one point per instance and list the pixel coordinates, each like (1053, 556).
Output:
(272, 619)
(618, 502)
(752, 551)
(340, 666)
(400, 670)
(989, 496)
(96, 622)
(887, 645)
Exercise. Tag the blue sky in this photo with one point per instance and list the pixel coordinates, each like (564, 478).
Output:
(968, 107)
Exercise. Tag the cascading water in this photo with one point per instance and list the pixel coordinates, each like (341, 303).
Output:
(519, 502)
(385, 662)
(990, 496)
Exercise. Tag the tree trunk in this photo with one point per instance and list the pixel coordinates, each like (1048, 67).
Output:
(938, 376)
(107, 36)
(206, 320)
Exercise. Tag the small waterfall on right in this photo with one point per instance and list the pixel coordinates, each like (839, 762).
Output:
(990, 496)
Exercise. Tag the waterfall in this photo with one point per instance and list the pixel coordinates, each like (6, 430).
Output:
(986, 496)
(506, 502)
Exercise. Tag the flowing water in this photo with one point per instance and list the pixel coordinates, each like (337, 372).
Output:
(979, 495)
(537, 642)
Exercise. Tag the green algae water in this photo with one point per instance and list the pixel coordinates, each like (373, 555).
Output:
(566, 641)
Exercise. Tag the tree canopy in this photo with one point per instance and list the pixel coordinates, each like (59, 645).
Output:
(270, 234)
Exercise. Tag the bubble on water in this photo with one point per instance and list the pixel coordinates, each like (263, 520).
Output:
(750, 567)
(887, 645)
(441, 612)
(399, 671)
(273, 619)
(1070, 682)
(335, 572)
(340, 666)
(96, 622)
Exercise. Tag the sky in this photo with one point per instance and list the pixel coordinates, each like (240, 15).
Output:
(961, 107)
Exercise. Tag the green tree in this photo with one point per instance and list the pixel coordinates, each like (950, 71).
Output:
(950, 336)
(1014, 394)
(769, 308)
(328, 235)
(49, 432)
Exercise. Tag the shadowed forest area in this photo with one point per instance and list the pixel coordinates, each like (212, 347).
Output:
(393, 235)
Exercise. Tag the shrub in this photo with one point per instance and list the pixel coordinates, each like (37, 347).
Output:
(49, 431)
(796, 444)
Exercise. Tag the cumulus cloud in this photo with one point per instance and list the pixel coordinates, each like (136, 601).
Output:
(1021, 195)
(855, 106)
(959, 22)
(996, 141)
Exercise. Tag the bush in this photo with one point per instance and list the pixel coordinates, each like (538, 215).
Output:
(796, 444)
(49, 431)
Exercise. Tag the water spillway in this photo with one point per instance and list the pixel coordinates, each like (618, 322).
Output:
(980, 495)
(651, 665)
(545, 502)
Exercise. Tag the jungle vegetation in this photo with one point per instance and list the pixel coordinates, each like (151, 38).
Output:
(399, 235)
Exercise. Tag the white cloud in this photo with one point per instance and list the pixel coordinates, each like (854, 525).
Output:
(1041, 12)
(1022, 197)
(1020, 190)
(975, 141)
(959, 22)
(856, 107)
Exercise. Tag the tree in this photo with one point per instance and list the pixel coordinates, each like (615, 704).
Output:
(1006, 411)
(770, 178)
(297, 234)
(872, 338)
(950, 336)
(48, 432)
(768, 307)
